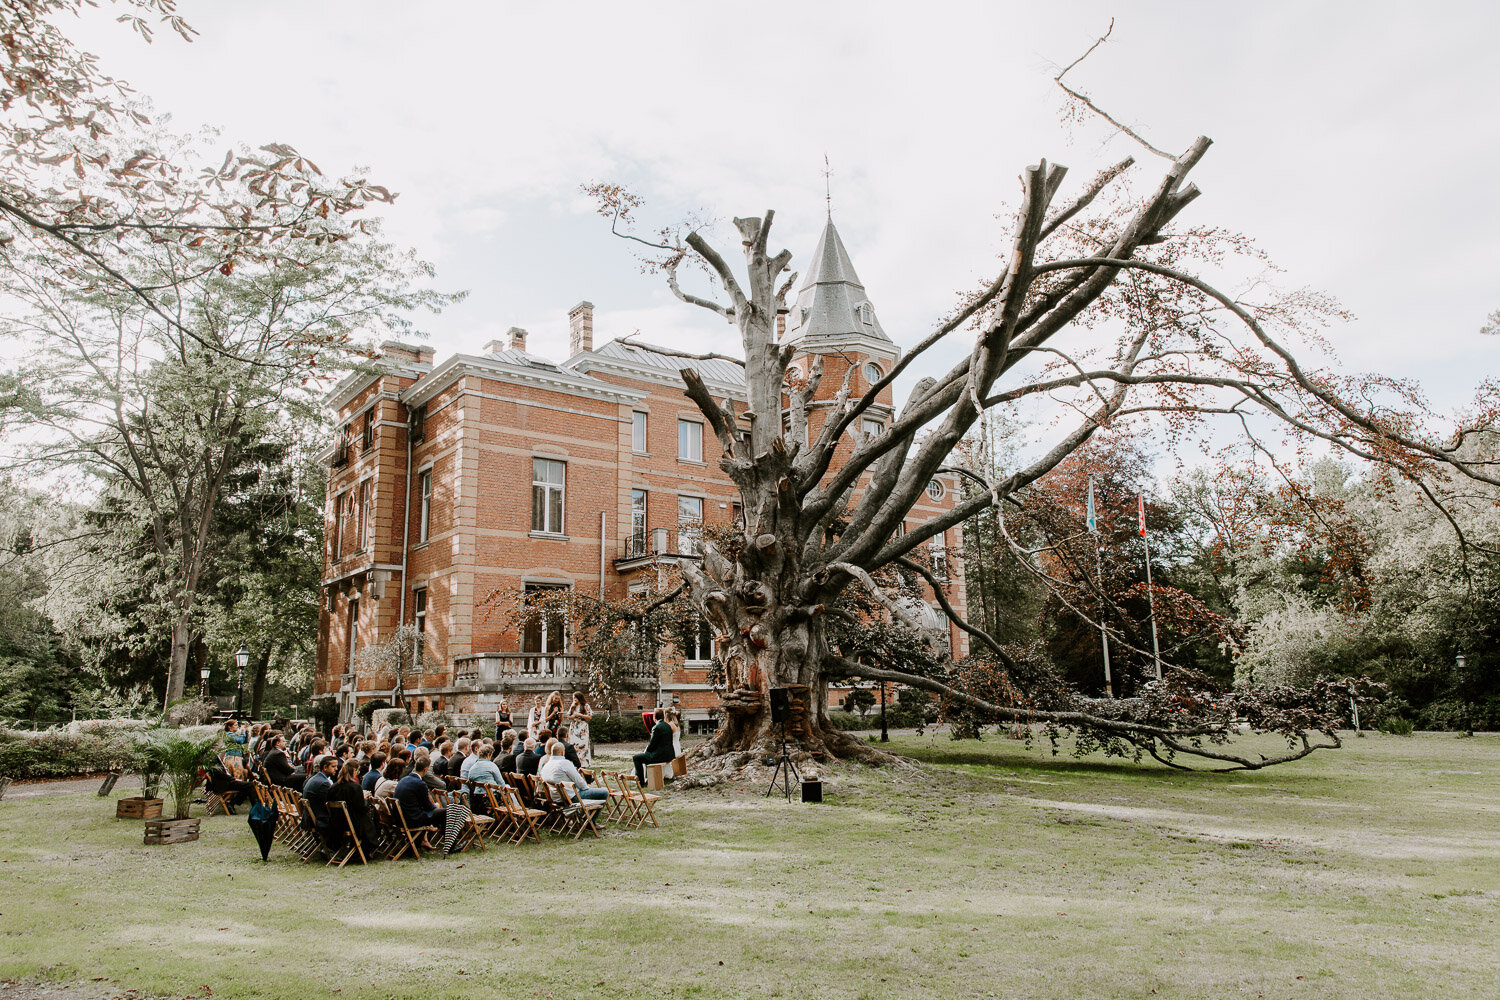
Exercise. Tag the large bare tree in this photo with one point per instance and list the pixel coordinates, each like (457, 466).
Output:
(1093, 313)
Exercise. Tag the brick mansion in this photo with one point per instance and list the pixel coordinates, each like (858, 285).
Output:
(505, 472)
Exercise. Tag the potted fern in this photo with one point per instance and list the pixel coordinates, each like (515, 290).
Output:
(177, 757)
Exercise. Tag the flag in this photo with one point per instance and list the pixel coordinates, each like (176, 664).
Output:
(1089, 519)
(1140, 511)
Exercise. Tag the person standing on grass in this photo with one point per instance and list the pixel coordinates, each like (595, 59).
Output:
(659, 749)
(534, 718)
(578, 724)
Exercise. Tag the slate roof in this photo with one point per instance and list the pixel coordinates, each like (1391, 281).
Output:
(831, 301)
(711, 371)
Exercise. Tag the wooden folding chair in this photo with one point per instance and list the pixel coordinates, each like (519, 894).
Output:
(311, 841)
(571, 813)
(523, 818)
(392, 844)
(342, 857)
(499, 811)
(410, 833)
(474, 826)
(614, 806)
(643, 803)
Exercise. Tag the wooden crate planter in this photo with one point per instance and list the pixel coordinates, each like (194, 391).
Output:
(171, 831)
(137, 807)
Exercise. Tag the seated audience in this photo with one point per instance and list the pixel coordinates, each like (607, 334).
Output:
(415, 799)
(394, 771)
(557, 767)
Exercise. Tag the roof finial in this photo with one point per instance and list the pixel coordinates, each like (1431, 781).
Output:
(828, 185)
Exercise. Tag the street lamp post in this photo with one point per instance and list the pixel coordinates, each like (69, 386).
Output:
(1463, 692)
(241, 661)
(203, 691)
(885, 734)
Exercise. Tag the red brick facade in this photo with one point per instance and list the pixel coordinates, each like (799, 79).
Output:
(494, 472)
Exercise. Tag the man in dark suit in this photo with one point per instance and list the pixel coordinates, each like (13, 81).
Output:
(279, 769)
(658, 750)
(529, 761)
(415, 800)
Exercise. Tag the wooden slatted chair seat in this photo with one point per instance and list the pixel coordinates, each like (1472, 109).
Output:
(338, 813)
(642, 802)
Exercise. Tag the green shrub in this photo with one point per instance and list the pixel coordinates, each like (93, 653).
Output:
(849, 722)
(617, 727)
(368, 709)
(1395, 725)
(431, 720)
(56, 753)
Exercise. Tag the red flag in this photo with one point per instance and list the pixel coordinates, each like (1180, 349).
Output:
(1140, 510)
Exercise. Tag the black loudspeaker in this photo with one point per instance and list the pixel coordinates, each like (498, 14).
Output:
(781, 706)
(812, 790)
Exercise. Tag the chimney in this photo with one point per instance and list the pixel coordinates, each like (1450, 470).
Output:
(410, 353)
(494, 346)
(581, 328)
(517, 337)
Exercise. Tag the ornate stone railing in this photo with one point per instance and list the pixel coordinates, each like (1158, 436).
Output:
(498, 671)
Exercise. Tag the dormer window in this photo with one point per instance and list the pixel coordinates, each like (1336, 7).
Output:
(866, 314)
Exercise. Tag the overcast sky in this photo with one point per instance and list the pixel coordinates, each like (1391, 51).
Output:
(1357, 142)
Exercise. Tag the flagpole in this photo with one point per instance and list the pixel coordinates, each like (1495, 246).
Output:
(1150, 593)
(1109, 683)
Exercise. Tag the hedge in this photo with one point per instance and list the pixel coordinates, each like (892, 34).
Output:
(56, 753)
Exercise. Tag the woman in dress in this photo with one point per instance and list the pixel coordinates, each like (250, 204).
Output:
(578, 724)
(502, 718)
(674, 719)
(534, 717)
(554, 712)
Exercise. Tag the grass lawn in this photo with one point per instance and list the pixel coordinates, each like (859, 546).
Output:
(996, 870)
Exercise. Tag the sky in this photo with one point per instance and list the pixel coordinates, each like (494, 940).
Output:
(1356, 142)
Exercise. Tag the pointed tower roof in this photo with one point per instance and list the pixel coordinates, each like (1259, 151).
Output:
(831, 302)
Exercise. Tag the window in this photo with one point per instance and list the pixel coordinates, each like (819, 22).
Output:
(351, 633)
(637, 523)
(937, 554)
(737, 512)
(871, 427)
(698, 642)
(424, 492)
(935, 489)
(367, 431)
(690, 440)
(638, 432)
(366, 522)
(419, 618)
(419, 424)
(547, 477)
(867, 316)
(340, 512)
(689, 524)
(873, 373)
(544, 632)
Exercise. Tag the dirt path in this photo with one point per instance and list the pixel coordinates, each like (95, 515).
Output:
(62, 786)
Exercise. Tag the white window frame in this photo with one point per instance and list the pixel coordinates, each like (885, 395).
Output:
(871, 426)
(638, 439)
(549, 490)
(689, 535)
(366, 521)
(937, 555)
(640, 529)
(694, 654)
(340, 503)
(424, 505)
(419, 619)
(689, 440)
(935, 490)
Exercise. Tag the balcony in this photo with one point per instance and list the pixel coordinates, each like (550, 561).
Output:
(535, 672)
(660, 544)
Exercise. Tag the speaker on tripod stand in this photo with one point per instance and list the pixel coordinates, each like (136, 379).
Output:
(781, 714)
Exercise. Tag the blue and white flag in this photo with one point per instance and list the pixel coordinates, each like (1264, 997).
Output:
(1092, 523)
